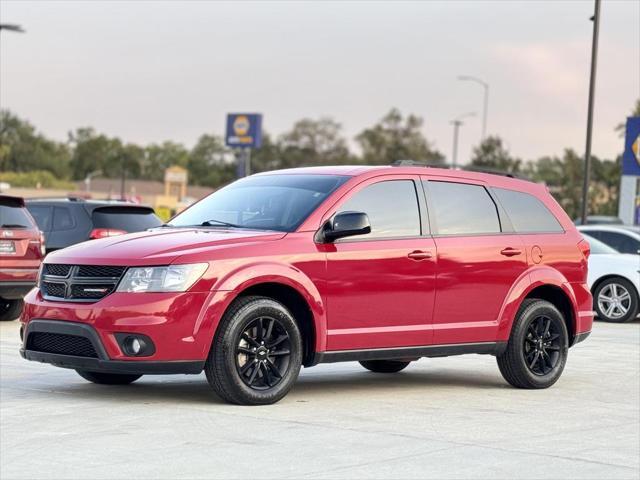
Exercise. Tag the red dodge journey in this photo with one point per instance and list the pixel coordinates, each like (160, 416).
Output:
(380, 265)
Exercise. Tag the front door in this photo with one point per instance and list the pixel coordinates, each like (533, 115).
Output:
(380, 286)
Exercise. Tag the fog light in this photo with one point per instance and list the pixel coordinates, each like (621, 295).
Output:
(135, 346)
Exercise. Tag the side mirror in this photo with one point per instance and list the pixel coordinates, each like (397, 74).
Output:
(346, 224)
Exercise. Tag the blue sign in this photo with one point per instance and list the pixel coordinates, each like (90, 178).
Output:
(244, 130)
(631, 155)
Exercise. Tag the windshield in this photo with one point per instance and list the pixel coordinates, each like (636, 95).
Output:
(263, 202)
(597, 247)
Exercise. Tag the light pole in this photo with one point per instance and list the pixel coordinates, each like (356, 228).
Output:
(592, 87)
(485, 109)
(457, 123)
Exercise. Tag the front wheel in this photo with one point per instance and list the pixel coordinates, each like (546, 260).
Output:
(538, 346)
(616, 300)
(384, 366)
(108, 378)
(10, 309)
(256, 354)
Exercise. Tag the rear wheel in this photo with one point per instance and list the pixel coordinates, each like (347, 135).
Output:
(537, 349)
(384, 366)
(108, 378)
(616, 300)
(256, 354)
(10, 309)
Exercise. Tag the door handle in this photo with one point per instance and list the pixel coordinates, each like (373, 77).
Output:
(510, 252)
(419, 255)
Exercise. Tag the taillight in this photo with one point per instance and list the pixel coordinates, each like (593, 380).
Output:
(43, 249)
(585, 248)
(105, 232)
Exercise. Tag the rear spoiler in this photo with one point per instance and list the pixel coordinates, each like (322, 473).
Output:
(9, 201)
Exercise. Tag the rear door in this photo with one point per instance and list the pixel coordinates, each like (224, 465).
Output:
(479, 260)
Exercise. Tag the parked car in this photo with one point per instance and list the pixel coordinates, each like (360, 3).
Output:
(600, 220)
(67, 221)
(614, 279)
(622, 238)
(21, 252)
(381, 265)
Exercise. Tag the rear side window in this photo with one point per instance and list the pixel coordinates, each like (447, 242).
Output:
(62, 219)
(42, 215)
(14, 217)
(392, 208)
(527, 213)
(129, 219)
(463, 209)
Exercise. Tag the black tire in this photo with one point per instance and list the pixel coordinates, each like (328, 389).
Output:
(10, 309)
(249, 362)
(108, 378)
(630, 302)
(531, 361)
(384, 366)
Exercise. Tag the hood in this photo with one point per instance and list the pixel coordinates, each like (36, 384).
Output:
(160, 246)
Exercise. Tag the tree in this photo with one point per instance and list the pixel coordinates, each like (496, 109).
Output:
(209, 162)
(93, 152)
(313, 142)
(267, 157)
(160, 157)
(396, 138)
(492, 155)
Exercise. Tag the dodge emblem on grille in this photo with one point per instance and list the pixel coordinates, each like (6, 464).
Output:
(95, 290)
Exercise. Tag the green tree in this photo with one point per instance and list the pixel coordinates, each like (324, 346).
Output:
(160, 157)
(94, 152)
(491, 154)
(267, 157)
(209, 162)
(314, 142)
(397, 138)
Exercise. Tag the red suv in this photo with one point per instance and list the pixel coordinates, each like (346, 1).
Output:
(21, 252)
(381, 265)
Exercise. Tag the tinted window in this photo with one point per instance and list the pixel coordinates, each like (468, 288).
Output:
(265, 202)
(42, 215)
(62, 219)
(463, 209)
(129, 219)
(526, 212)
(598, 247)
(622, 243)
(392, 208)
(14, 217)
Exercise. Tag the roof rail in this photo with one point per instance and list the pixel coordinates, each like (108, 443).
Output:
(468, 168)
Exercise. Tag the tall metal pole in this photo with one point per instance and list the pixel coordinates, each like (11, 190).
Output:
(485, 109)
(592, 88)
(454, 153)
(123, 178)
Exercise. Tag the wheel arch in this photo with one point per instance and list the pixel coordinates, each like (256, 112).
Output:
(604, 278)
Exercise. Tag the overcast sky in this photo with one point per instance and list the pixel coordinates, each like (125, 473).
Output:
(150, 71)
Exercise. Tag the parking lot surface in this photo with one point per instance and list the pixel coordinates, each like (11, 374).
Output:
(440, 418)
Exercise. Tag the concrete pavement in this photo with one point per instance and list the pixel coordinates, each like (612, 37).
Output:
(440, 418)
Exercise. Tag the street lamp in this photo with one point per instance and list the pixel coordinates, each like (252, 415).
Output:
(592, 87)
(485, 85)
(457, 123)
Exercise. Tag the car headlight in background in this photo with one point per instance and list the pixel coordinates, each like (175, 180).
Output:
(170, 278)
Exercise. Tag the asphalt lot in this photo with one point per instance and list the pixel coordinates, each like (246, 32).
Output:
(440, 418)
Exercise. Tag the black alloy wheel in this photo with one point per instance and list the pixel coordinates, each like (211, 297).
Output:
(542, 345)
(263, 353)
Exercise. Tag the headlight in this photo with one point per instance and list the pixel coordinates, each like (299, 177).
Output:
(172, 278)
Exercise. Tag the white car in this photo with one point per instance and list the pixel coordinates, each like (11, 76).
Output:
(622, 238)
(614, 280)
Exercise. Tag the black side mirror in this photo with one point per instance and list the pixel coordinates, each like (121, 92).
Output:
(346, 224)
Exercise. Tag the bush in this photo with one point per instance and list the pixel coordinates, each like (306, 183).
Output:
(36, 179)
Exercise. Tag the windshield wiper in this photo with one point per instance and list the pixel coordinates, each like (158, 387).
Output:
(12, 225)
(213, 222)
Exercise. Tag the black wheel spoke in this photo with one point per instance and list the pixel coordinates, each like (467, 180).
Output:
(273, 368)
(259, 330)
(245, 367)
(250, 340)
(535, 360)
(279, 353)
(553, 348)
(246, 351)
(278, 341)
(254, 374)
(269, 329)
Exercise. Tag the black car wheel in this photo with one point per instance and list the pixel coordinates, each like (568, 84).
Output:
(256, 354)
(384, 366)
(616, 300)
(108, 378)
(537, 349)
(10, 309)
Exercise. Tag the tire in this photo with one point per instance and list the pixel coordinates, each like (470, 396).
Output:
(256, 353)
(384, 366)
(625, 310)
(532, 361)
(10, 309)
(108, 378)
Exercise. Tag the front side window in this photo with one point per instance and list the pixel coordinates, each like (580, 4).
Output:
(392, 208)
(621, 242)
(264, 202)
(527, 213)
(463, 209)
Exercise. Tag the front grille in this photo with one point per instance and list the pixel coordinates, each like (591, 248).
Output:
(57, 270)
(79, 283)
(61, 344)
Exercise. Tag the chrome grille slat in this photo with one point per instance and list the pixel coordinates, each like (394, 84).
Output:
(80, 283)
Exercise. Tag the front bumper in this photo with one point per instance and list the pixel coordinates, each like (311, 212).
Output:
(101, 361)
